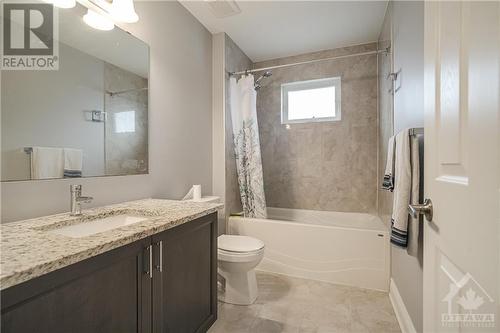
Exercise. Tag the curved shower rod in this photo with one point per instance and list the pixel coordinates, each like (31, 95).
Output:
(248, 71)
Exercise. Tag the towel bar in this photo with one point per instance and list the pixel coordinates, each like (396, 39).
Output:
(417, 131)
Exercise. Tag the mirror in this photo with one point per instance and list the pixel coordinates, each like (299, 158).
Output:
(88, 118)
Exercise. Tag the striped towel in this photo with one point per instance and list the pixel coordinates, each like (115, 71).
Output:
(73, 163)
(406, 188)
(388, 182)
(72, 173)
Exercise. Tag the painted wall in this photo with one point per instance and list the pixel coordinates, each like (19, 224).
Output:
(180, 132)
(405, 19)
(323, 165)
(218, 124)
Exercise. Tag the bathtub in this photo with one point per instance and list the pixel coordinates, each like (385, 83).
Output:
(344, 248)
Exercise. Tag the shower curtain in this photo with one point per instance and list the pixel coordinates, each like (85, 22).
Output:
(243, 99)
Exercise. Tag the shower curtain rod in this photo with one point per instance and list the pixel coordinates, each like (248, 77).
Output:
(248, 71)
(113, 93)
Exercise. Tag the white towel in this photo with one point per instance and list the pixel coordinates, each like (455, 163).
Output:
(73, 163)
(402, 189)
(388, 182)
(46, 163)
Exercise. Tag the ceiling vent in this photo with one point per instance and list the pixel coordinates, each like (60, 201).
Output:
(223, 8)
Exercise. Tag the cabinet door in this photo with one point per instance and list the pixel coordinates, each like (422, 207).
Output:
(107, 293)
(185, 288)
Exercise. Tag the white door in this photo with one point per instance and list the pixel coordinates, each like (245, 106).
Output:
(462, 170)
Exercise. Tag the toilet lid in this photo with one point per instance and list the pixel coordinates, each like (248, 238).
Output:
(235, 243)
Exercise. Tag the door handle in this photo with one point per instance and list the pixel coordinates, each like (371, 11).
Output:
(422, 209)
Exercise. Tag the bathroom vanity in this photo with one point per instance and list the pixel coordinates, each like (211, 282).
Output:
(155, 271)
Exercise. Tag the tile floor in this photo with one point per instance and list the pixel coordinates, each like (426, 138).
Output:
(296, 305)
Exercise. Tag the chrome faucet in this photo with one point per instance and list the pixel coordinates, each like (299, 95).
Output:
(77, 200)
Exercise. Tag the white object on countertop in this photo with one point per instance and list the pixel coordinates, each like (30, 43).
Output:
(196, 192)
(193, 193)
(208, 199)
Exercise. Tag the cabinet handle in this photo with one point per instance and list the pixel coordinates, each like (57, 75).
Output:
(150, 261)
(160, 266)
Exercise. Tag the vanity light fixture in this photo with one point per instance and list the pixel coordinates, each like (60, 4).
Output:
(101, 14)
(98, 21)
(123, 11)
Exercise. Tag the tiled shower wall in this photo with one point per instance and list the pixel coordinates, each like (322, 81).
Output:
(126, 153)
(386, 118)
(328, 165)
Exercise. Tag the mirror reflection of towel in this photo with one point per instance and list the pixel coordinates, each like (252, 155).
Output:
(73, 163)
(46, 163)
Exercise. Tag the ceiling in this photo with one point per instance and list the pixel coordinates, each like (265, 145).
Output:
(273, 29)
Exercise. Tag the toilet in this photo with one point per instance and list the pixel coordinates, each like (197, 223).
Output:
(238, 256)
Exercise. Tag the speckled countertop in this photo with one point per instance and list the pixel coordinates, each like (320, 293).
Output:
(28, 250)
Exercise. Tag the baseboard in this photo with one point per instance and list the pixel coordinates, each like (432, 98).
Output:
(404, 319)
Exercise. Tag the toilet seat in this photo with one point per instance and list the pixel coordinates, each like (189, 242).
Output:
(239, 256)
(239, 244)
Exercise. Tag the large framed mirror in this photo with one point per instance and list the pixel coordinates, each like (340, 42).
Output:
(87, 118)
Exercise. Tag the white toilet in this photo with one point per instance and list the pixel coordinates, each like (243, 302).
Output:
(238, 256)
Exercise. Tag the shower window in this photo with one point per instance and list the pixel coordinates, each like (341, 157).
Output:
(310, 101)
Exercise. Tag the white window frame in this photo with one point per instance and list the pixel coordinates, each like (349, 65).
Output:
(306, 85)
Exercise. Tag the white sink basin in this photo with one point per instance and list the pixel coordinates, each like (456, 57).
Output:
(88, 228)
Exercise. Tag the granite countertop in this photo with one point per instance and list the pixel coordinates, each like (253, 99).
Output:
(28, 250)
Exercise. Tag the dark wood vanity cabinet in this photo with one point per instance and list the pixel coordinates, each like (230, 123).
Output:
(163, 283)
(185, 277)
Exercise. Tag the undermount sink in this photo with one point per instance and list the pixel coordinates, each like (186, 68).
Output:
(87, 228)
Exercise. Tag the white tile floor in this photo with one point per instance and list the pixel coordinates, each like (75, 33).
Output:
(296, 305)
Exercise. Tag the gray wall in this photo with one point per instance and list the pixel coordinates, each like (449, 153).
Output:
(324, 165)
(180, 122)
(408, 55)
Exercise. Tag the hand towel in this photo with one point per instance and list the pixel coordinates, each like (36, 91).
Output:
(388, 183)
(73, 163)
(413, 226)
(46, 163)
(402, 189)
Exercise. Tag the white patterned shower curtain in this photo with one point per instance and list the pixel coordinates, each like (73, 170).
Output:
(243, 98)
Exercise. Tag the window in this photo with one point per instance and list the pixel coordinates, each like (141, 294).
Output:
(310, 101)
(125, 122)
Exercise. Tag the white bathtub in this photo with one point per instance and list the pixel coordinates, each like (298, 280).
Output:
(344, 248)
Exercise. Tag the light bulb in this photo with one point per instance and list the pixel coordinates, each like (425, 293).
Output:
(123, 11)
(98, 21)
